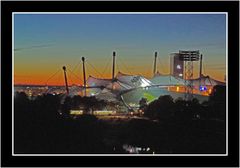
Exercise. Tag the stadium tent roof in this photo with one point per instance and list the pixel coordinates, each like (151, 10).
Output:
(108, 89)
(133, 97)
(133, 80)
(158, 74)
(105, 94)
(134, 87)
(97, 82)
(167, 80)
(122, 82)
(107, 83)
(118, 86)
(74, 90)
(207, 81)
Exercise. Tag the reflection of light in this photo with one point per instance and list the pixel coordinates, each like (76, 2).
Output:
(133, 149)
(180, 74)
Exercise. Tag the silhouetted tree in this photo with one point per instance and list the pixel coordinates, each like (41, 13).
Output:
(194, 108)
(143, 104)
(217, 102)
(181, 111)
(47, 106)
(66, 107)
(22, 104)
(162, 108)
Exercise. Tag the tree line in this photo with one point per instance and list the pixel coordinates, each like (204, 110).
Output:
(165, 107)
(43, 125)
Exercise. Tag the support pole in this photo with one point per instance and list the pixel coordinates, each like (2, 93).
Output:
(84, 76)
(155, 64)
(65, 77)
(200, 71)
(113, 68)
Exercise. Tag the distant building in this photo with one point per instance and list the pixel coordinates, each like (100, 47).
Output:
(176, 66)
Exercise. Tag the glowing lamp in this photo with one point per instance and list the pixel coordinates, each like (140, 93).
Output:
(202, 88)
(210, 91)
(177, 89)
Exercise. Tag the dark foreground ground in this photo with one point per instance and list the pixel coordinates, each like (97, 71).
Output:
(45, 126)
(91, 135)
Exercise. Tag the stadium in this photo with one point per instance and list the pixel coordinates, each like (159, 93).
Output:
(129, 89)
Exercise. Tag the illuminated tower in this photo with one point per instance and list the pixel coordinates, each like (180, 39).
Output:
(189, 57)
(176, 66)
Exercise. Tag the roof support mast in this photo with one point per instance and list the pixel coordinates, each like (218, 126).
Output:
(65, 77)
(155, 64)
(113, 68)
(84, 76)
(200, 72)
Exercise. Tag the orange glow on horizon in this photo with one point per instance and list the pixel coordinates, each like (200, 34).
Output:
(42, 79)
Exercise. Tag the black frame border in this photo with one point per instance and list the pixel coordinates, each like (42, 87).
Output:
(232, 7)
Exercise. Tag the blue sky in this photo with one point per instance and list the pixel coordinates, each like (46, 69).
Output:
(135, 37)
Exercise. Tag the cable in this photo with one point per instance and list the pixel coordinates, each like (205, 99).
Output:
(204, 67)
(161, 65)
(75, 75)
(123, 85)
(118, 69)
(149, 72)
(220, 64)
(59, 78)
(218, 68)
(94, 68)
(52, 76)
(70, 79)
(127, 69)
(106, 66)
(76, 66)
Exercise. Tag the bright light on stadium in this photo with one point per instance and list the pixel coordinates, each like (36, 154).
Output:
(202, 88)
(179, 67)
(177, 89)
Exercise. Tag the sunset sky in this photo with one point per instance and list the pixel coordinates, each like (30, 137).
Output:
(43, 43)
